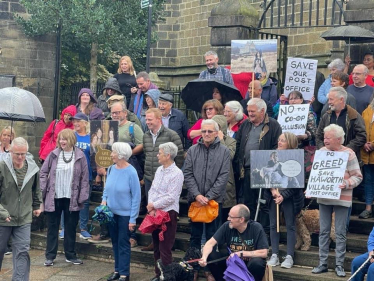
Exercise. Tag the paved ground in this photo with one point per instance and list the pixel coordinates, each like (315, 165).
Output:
(90, 270)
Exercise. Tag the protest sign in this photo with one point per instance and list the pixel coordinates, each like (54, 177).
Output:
(300, 76)
(277, 168)
(327, 174)
(293, 118)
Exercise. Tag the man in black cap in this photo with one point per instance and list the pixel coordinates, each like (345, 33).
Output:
(174, 119)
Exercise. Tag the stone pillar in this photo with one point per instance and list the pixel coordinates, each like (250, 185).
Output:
(231, 20)
(360, 13)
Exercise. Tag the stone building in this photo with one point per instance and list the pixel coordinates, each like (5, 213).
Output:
(27, 63)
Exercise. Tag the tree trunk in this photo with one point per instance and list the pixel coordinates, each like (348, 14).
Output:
(93, 68)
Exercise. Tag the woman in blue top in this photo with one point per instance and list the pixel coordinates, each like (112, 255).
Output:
(122, 196)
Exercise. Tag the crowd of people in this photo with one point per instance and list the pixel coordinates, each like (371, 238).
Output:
(158, 152)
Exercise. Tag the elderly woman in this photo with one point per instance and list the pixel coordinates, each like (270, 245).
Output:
(64, 182)
(234, 116)
(151, 100)
(111, 88)
(122, 196)
(7, 134)
(164, 195)
(333, 140)
(292, 201)
(87, 104)
(210, 108)
(337, 65)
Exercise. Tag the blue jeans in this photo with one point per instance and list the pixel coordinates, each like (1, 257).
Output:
(368, 268)
(84, 214)
(120, 235)
(368, 183)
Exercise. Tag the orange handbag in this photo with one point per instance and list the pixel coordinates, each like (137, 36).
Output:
(199, 213)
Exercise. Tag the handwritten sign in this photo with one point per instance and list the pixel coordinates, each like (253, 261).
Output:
(293, 118)
(327, 174)
(300, 76)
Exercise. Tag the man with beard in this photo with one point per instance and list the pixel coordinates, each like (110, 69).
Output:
(215, 71)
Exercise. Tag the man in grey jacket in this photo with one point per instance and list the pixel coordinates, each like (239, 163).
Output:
(206, 173)
(20, 199)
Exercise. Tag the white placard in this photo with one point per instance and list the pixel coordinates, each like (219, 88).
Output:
(300, 76)
(293, 118)
(327, 174)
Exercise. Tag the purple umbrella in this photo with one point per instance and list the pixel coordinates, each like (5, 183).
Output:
(237, 270)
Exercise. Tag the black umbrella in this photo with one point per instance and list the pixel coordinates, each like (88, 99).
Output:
(198, 91)
(349, 33)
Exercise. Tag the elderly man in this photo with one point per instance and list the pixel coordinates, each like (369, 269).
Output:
(258, 132)
(174, 119)
(137, 100)
(344, 116)
(206, 173)
(333, 140)
(257, 91)
(244, 237)
(362, 92)
(20, 199)
(214, 71)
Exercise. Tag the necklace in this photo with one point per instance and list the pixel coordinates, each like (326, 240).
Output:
(67, 160)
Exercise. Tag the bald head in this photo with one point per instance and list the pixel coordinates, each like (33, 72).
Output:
(359, 74)
(257, 90)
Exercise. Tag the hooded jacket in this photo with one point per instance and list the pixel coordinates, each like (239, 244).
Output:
(269, 91)
(48, 142)
(154, 94)
(79, 187)
(112, 83)
(206, 170)
(136, 102)
(14, 202)
(96, 113)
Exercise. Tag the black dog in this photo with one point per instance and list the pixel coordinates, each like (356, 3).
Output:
(181, 271)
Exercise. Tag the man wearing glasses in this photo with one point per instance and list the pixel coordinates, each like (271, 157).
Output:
(20, 199)
(206, 173)
(362, 92)
(244, 238)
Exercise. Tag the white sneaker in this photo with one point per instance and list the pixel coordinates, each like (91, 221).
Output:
(288, 262)
(274, 260)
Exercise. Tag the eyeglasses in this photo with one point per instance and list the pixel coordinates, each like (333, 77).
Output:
(19, 154)
(207, 131)
(356, 73)
(209, 109)
(116, 113)
(230, 217)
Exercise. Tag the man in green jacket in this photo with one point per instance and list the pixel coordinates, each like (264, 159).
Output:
(20, 199)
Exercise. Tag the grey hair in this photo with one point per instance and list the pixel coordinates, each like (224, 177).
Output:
(19, 142)
(237, 108)
(169, 148)
(366, 70)
(337, 63)
(123, 150)
(338, 131)
(260, 103)
(143, 75)
(122, 104)
(211, 53)
(210, 122)
(244, 212)
(340, 92)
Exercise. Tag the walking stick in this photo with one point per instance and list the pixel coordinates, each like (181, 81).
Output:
(361, 267)
(259, 201)
(277, 215)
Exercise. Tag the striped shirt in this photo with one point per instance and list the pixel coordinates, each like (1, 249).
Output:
(352, 178)
(64, 175)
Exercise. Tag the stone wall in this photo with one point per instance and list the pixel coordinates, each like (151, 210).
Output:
(32, 61)
(185, 36)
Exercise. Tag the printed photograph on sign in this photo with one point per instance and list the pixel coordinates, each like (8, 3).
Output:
(259, 56)
(293, 118)
(277, 168)
(327, 174)
(300, 76)
(103, 134)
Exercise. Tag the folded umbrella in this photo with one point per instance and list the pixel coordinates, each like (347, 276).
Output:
(151, 223)
(198, 91)
(237, 270)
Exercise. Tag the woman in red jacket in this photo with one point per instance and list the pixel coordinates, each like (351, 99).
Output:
(48, 142)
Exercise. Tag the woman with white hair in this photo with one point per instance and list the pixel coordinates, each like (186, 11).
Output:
(122, 196)
(164, 195)
(337, 65)
(333, 140)
(235, 117)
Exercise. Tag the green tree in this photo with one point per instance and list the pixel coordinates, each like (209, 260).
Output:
(92, 30)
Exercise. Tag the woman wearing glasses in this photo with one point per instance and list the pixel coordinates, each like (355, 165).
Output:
(210, 109)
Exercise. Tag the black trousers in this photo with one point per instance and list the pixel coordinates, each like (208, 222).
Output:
(256, 266)
(250, 196)
(71, 222)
